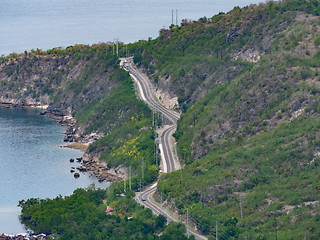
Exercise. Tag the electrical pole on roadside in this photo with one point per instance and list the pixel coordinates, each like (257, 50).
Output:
(153, 118)
(187, 222)
(276, 230)
(124, 185)
(241, 208)
(117, 47)
(130, 177)
(172, 18)
(142, 170)
(217, 231)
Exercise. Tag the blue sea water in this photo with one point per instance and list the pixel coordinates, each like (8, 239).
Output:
(44, 24)
(33, 163)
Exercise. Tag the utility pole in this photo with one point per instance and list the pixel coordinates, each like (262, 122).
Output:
(194, 120)
(161, 202)
(113, 47)
(305, 235)
(172, 18)
(241, 208)
(124, 185)
(188, 222)
(130, 177)
(154, 124)
(140, 185)
(217, 231)
(117, 46)
(152, 118)
(142, 169)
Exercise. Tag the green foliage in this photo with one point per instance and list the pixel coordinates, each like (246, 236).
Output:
(271, 170)
(317, 40)
(252, 134)
(82, 216)
(115, 109)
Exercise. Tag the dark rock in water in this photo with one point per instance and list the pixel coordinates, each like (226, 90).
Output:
(72, 171)
(71, 160)
(68, 138)
(82, 169)
(76, 175)
(79, 159)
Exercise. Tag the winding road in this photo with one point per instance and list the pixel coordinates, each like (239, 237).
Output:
(165, 147)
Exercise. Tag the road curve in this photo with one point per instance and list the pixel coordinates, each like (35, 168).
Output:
(146, 94)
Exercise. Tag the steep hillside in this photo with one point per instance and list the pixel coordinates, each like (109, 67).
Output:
(248, 82)
(86, 85)
(190, 59)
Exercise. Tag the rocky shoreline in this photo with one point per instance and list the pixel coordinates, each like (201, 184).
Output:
(23, 236)
(77, 140)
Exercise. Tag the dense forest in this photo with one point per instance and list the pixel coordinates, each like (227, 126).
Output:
(247, 83)
(82, 216)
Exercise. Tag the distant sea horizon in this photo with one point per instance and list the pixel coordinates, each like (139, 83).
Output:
(32, 24)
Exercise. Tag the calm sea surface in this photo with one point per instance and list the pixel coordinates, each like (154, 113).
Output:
(33, 163)
(44, 24)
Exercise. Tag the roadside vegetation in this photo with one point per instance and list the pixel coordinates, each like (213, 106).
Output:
(248, 85)
(82, 216)
(87, 82)
(247, 82)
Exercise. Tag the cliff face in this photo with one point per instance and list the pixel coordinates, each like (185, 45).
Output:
(62, 80)
(85, 86)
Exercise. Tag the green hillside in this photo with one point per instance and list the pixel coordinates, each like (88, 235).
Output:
(248, 87)
(85, 82)
(248, 84)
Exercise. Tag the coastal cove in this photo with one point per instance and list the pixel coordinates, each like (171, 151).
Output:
(33, 163)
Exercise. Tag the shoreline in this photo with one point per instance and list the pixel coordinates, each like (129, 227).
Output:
(76, 140)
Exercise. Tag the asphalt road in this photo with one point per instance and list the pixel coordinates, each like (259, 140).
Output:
(146, 94)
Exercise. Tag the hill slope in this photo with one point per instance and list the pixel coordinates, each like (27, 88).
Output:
(248, 82)
(85, 83)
